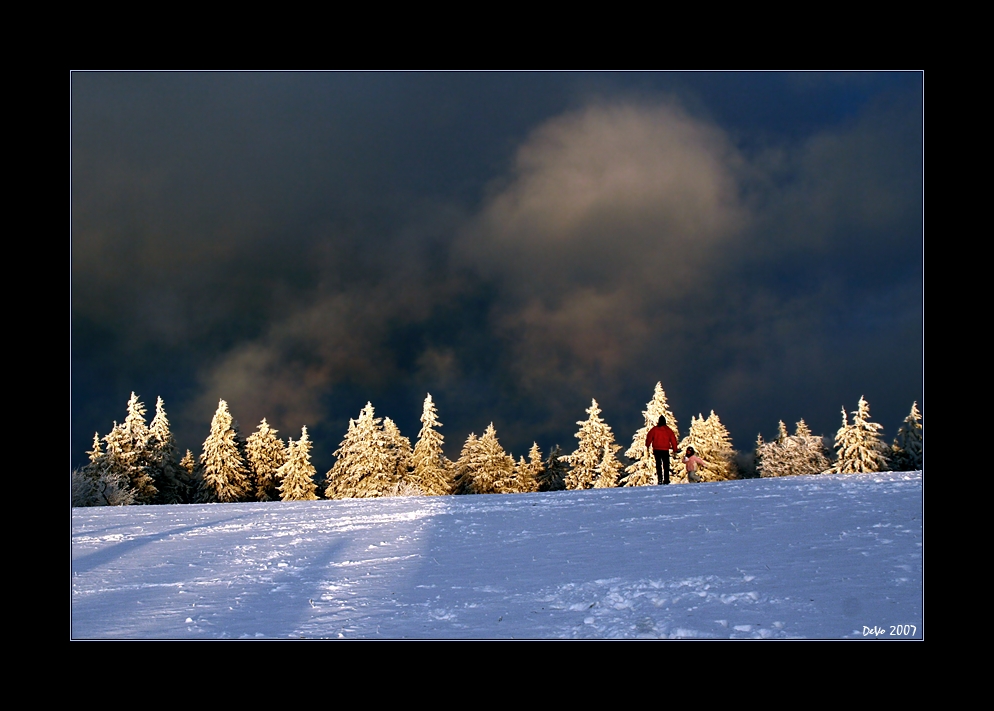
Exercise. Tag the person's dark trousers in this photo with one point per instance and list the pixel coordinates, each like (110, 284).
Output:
(662, 465)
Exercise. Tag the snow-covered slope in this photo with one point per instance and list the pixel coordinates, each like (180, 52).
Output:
(820, 556)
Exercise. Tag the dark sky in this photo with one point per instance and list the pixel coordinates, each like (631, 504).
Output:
(513, 243)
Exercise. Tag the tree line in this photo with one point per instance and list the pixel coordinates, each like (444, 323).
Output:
(137, 463)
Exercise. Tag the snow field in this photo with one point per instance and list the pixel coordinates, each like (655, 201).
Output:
(816, 557)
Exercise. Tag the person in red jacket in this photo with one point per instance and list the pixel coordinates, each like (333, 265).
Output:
(661, 439)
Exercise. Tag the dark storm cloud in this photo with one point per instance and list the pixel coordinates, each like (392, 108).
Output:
(258, 234)
(516, 244)
(342, 331)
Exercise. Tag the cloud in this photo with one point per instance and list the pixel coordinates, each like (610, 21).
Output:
(287, 373)
(600, 193)
(613, 215)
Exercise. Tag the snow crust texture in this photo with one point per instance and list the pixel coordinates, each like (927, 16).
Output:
(829, 556)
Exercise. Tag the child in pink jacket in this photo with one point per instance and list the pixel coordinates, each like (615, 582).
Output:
(692, 462)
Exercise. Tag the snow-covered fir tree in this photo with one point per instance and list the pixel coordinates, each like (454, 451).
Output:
(346, 460)
(128, 454)
(190, 473)
(757, 454)
(84, 480)
(524, 477)
(97, 453)
(520, 469)
(799, 454)
(189, 463)
(99, 484)
(908, 450)
(399, 452)
(593, 436)
(465, 466)
(554, 471)
(169, 479)
(363, 467)
(92, 471)
(609, 469)
(376, 473)
(859, 447)
(296, 474)
(536, 468)
(491, 469)
(138, 452)
(265, 453)
(225, 476)
(432, 472)
(771, 456)
(643, 471)
(814, 455)
(720, 453)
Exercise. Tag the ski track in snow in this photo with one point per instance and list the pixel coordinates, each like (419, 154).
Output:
(810, 557)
